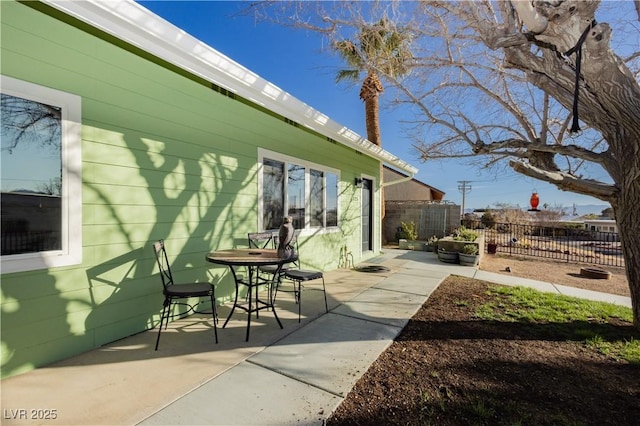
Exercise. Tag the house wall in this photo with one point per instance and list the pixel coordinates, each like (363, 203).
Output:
(601, 225)
(163, 156)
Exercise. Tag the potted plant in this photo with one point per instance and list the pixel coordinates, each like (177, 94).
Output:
(469, 255)
(492, 247)
(407, 232)
(448, 256)
(464, 234)
(432, 243)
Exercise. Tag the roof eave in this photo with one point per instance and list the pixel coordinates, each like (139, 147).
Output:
(141, 28)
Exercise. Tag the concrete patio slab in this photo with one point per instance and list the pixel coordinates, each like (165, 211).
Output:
(407, 283)
(330, 353)
(594, 295)
(510, 280)
(258, 395)
(383, 306)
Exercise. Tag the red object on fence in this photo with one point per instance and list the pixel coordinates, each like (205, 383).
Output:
(534, 201)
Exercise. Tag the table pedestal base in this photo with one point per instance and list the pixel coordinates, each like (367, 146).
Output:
(259, 304)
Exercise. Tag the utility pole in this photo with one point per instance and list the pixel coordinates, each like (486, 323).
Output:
(464, 186)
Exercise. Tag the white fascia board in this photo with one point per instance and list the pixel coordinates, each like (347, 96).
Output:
(136, 25)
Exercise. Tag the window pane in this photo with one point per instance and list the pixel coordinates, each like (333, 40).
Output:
(31, 176)
(332, 199)
(272, 193)
(295, 195)
(316, 202)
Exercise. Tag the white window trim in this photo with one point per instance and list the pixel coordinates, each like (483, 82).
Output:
(71, 157)
(272, 155)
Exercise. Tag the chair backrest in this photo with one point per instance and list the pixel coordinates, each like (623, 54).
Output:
(261, 240)
(163, 263)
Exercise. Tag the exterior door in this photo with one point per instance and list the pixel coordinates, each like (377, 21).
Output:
(367, 215)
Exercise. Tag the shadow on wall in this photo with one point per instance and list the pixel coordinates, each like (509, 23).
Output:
(23, 322)
(116, 291)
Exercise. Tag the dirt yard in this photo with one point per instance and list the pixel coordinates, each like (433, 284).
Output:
(563, 273)
(450, 368)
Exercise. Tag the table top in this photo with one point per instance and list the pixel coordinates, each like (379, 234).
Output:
(247, 257)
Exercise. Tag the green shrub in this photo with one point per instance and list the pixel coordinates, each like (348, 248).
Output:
(408, 231)
(488, 220)
(470, 249)
(464, 234)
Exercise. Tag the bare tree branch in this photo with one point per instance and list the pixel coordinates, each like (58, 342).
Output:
(504, 80)
(567, 182)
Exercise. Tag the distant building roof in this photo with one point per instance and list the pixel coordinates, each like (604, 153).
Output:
(411, 190)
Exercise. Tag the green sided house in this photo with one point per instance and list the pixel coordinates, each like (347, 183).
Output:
(119, 129)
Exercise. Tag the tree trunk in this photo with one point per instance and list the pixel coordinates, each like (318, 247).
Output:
(371, 109)
(369, 93)
(627, 212)
(609, 101)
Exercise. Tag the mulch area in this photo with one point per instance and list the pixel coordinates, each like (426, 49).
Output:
(449, 368)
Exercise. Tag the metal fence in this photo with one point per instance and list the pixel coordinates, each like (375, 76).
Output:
(30, 242)
(430, 218)
(570, 244)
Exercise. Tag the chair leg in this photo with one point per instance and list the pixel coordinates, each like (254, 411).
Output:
(215, 311)
(215, 317)
(296, 293)
(324, 290)
(276, 282)
(273, 289)
(298, 296)
(165, 306)
(249, 313)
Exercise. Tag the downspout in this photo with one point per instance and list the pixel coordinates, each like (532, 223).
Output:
(397, 181)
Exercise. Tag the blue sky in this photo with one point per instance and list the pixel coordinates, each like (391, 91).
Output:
(300, 64)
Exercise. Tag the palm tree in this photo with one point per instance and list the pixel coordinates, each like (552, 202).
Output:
(381, 50)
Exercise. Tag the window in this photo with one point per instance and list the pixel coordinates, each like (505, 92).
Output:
(40, 177)
(307, 192)
(296, 195)
(323, 199)
(273, 193)
(331, 195)
(316, 198)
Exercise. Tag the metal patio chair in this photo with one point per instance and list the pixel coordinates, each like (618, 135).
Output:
(267, 240)
(263, 240)
(297, 276)
(176, 294)
(260, 240)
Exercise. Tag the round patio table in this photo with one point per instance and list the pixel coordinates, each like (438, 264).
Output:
(251, 259)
